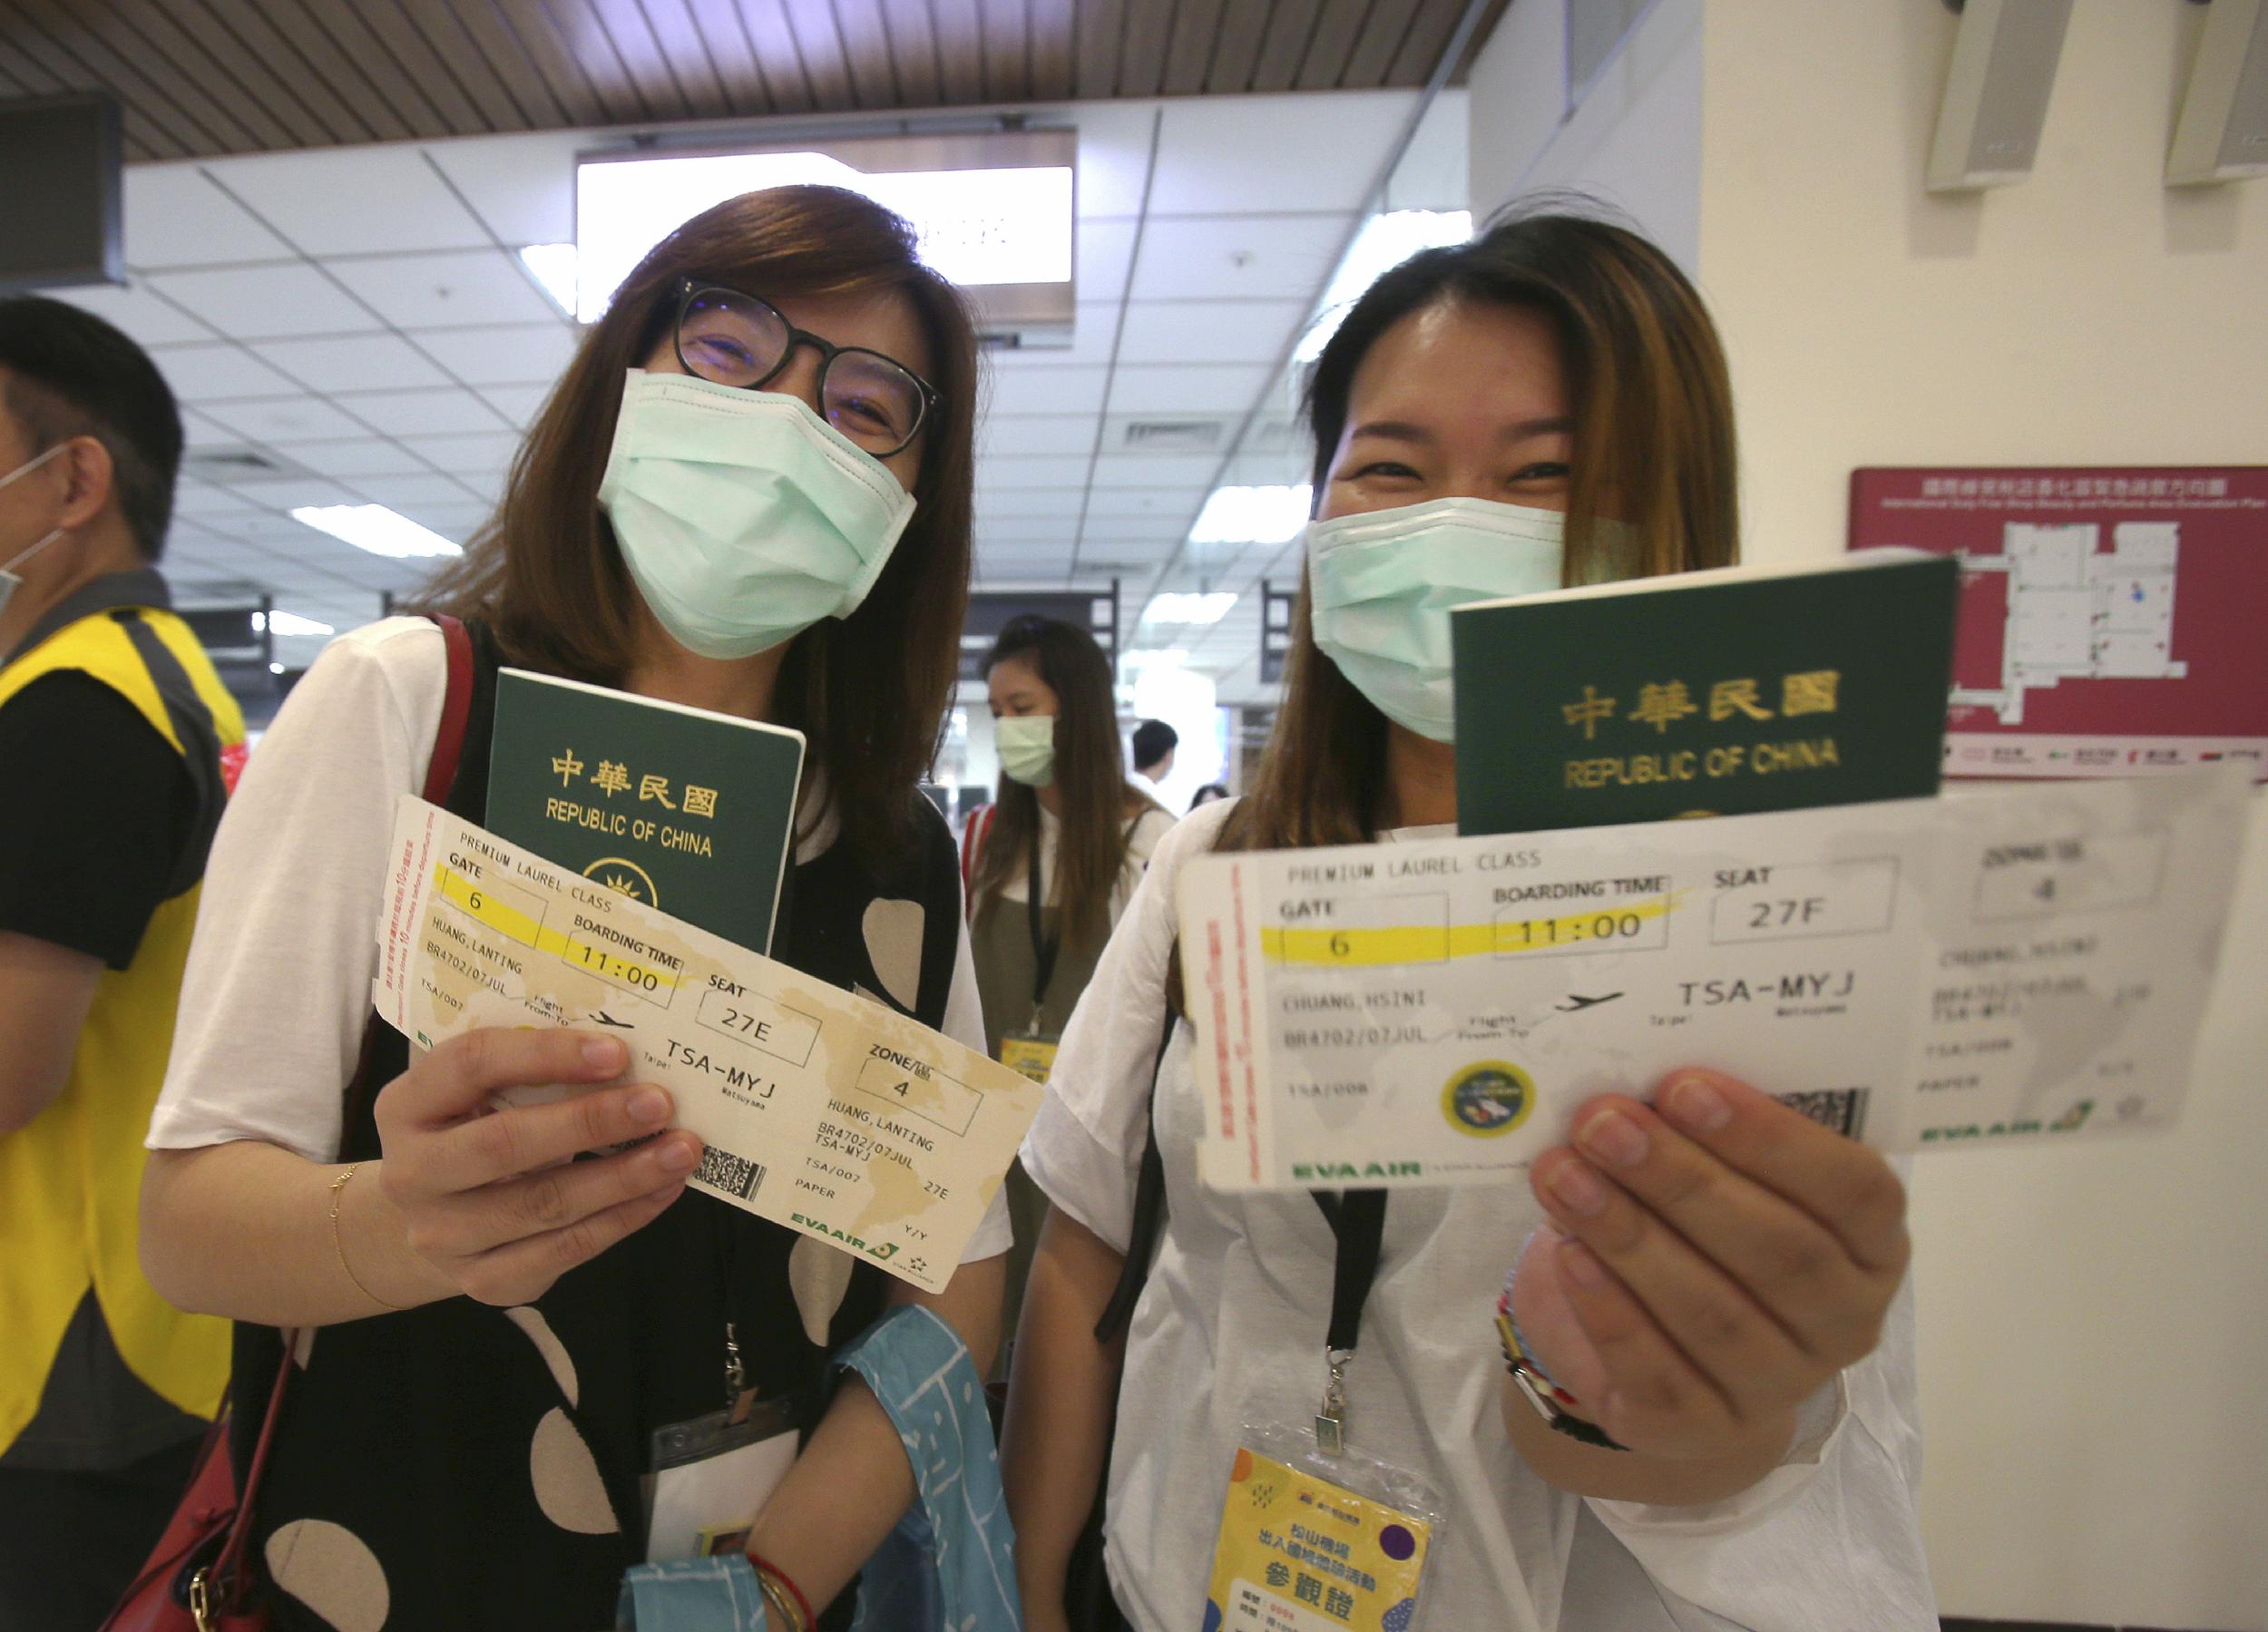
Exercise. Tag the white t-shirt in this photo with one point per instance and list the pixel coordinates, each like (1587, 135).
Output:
(277, 985)
(1229, 1331)
(1142, 843)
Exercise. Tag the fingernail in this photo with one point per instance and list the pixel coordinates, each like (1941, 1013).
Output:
(676, 1156)
(1693, 1103)
(1578, 1189)
(1614, 1139)
(1581, 1266)
(649, 1105)
(602, 1054)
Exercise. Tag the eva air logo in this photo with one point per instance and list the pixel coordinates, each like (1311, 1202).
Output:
(1489, 1097)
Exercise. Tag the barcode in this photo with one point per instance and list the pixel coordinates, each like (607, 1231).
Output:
(734, 1175)
(1843, 1109)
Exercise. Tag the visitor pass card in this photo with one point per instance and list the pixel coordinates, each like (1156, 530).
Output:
(817, 1109)
(2012, 964)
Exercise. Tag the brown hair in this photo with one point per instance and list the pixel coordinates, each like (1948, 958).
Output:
(870, 691)
(1653, 448)
(1090, 850)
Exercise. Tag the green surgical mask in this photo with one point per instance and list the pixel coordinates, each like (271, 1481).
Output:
(743, 518)
(1381, 586)
(1026, 748)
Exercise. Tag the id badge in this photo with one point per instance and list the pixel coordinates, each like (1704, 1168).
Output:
(1032, 1056)
(1310, 1545)
(712, 1476)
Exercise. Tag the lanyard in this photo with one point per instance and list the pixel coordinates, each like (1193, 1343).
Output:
(1044, 948)
(1358, 1222)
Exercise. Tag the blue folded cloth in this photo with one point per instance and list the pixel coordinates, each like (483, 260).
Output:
(950, 1564)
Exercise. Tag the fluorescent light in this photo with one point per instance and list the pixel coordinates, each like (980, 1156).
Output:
(1138, 658)
(376, 529)
(290, 624)
(1177, 607)
(973, 226)
(1252, 515)
(554, 266)
(1384, 242)
(274, 668)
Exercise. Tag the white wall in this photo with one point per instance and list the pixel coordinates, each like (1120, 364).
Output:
(1634, 143)
(2094, 1321)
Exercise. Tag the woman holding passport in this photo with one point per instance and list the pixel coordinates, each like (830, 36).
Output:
(522, 1359)
(1697, 1407)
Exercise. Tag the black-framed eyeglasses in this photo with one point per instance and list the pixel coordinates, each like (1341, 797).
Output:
(730, 339)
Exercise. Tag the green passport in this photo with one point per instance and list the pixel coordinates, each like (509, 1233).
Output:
(1705, 693)
(689, 810)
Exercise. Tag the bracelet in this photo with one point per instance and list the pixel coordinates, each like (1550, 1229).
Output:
(780, 1588)
(1551, 1402)
(338, 1194)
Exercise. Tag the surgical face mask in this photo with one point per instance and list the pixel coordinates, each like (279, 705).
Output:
(1026, 748)
(9, 582)
(743, 518)
(1381, 586)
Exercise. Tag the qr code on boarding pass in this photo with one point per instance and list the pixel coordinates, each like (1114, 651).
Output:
(1842, 1109)
(734, 1175)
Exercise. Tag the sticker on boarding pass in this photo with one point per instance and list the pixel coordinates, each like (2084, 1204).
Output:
(817, 1109)
(2013, 965)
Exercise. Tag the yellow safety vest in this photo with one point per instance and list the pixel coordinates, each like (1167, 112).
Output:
(70, 1180)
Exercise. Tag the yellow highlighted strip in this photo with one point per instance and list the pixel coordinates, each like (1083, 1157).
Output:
(1603, 927)
(608, 963)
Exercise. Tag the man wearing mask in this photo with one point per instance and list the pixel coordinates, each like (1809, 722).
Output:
(119, 744)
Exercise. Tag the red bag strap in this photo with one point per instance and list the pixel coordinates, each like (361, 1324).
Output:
(448, 748)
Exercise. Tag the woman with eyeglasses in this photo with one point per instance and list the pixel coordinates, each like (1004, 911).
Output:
(1698, 1409)
(750, 494)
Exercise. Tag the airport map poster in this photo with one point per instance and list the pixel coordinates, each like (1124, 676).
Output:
(2111, 619)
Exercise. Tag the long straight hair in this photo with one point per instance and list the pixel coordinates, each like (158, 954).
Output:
(869, 690)
(1091, 847)
(1653, 448)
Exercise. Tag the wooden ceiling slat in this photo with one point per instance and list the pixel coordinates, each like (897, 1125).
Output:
(1376, 45)
(299, 108)
(1142, 46)
(1428, 37)
(960, 49)
(433, 75)
(684, 48)
(813, 23)
(487, 58)
(778, 55)
(361, 45)
(624, 22)
(866, 50)
(1007, 51)
(281, 37)
(20, 71)
(1333, 43)
(1100, 24)
(742, 77)
(1291, 24)
(1190, 47)
(913, 43)
(554, 52)
(1237, 52)
(1053, 24)
(166, 105)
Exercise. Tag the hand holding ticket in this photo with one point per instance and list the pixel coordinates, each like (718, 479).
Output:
(2022, 965)
(817, 1109)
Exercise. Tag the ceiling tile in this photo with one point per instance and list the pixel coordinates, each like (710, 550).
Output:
(216, 373)
(262, 303)
(441, 292)
(421, 413)
(1031, 529)
(1113, 156)
(519, 405)
(174, 217)
(193, 498)
(1240, 155)
(479, 454)
(285, 420)
(1162, 504)
(522, 185)
(1186, 388)
(352, 200)
(352, 363)
(287, 494)
(1001, 474)
(1032, 433)
(519, 354)
(1209, 331)
(1094, 332)
(1105, 250)
(1168, 523)
(1155, 469)
(368, 457)
(1062, 503)
(407, 493)
(454, 521)
(1275, 258)
(1049, 391)
(136, 312)
(200, 431)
